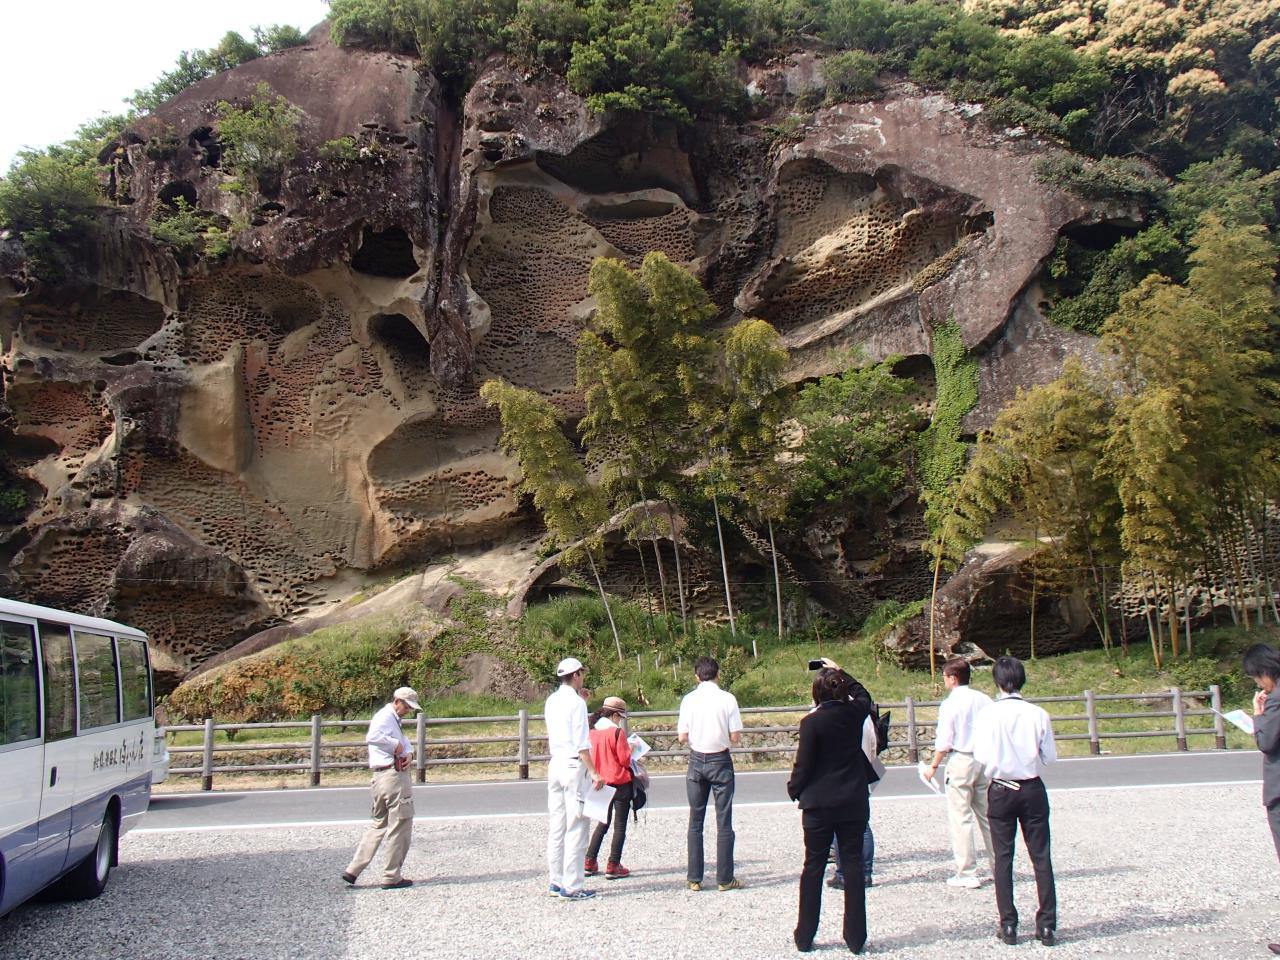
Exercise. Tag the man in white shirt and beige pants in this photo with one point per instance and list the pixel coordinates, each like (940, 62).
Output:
(966, 781)
(389, 756)
(569, 744)
(1012, 739)
(710, 723)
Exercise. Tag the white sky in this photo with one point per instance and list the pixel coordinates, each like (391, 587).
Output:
(63, 62)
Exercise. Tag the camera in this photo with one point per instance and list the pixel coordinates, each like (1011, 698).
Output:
(816, 664)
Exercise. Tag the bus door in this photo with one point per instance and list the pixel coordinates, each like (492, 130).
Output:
(103, 748)
(60, 747)
(21, 762)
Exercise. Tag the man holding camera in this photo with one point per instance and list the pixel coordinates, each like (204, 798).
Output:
(389, 756)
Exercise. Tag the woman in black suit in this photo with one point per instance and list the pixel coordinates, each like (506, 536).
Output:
(829, 780)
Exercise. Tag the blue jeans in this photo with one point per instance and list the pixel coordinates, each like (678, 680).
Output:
(710, 773)
(868, 854)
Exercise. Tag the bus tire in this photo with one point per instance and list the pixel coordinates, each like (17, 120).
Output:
(89, 877)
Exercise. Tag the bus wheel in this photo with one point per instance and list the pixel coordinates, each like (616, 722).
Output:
(89, 878)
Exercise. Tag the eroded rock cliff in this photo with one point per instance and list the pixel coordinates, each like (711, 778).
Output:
(216, 446)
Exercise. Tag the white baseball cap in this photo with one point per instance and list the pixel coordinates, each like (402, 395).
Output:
(568, 665)
(408, 695)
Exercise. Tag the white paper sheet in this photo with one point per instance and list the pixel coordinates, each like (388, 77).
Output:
(923, 770)
(1237, 718)
(596, 803)
(638, 747)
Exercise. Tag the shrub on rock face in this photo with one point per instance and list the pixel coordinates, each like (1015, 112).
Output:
(50, 200)
(849, 75)
(258, 139)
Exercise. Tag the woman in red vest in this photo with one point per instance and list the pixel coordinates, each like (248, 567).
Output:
(611, 754)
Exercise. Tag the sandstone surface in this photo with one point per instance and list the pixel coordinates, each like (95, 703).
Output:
(217, 447)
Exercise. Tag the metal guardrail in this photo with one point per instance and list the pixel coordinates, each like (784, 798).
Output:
(312, 751)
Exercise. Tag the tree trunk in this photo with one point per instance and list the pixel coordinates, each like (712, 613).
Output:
(657, 556)
(617, 641)
(648, 589)
(1174, 643)
(675, 546)
(777, 584)
(1152, 624)
(724, 566)
(1034, 584)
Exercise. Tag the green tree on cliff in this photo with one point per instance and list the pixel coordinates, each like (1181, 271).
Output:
(571, 506)
(644, 364)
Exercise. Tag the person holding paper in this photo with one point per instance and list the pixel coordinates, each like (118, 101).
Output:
(1012, 739)
(966, 782)
(829, 780)
(569, 743)
(1262, 663)
(611, 753)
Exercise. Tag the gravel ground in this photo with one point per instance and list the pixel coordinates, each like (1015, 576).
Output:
(1185, 872)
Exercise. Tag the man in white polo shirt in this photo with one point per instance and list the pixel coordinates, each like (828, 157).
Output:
(569, 744)
(710, 723)
(966, 780)
(389, 756)
(1013, 739)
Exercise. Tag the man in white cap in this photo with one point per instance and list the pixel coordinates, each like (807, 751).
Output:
(390, 754)
(569, 743)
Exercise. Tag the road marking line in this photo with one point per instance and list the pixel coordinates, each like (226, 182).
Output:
(905, 768)
(445, 818)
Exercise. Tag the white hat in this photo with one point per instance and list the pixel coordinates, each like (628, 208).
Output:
(408, 695)
(567, 666)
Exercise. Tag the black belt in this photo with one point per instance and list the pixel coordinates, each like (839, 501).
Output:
(1011, 784)
(707, 756)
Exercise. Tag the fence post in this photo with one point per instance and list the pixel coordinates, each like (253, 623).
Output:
(1219, 727)
(524, 744)
(420, 746)
(206, 764)
(315, 749)
(1091, 711)
(1179, 719)
(913, 745)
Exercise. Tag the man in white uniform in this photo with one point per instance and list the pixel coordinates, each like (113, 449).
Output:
(569, 743)
(966, 781)
(1012, 739)
(389, 756)
(710, 723)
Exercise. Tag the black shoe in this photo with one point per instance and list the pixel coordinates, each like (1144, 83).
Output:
(804, 946)
(1008, 933)
(1046, 937)
(858, 949)
(399, 884)
(836, 882)
(349, 877)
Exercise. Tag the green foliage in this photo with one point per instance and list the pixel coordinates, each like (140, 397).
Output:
(258, 139)
(186, 228)
(50, 199)
(343, 150)
(13, 501)
(1236, 195)
(1111, 178)
(886, 615)
(940, 450)
(849, 75)
(1087, 283)
(195, 65)
(856, 426)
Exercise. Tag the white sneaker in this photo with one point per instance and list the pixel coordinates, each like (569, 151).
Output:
(968, 883)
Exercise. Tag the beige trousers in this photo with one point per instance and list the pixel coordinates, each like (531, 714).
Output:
(392, 821)
(966, 811)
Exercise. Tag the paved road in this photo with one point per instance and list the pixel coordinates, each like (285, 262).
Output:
(349, 805)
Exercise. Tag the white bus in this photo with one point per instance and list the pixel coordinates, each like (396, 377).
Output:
(77, 736)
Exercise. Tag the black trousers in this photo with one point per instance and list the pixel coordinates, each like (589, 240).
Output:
(1006, 810)
(618, 811)
(820, 826)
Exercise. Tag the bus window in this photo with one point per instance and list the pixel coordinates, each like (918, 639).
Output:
(19, 696)
(99, 690)
(59, 681)
(135, 679)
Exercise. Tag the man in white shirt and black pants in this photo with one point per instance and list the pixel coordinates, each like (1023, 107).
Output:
(966, 781)
(1011, 740)
(710, 723)
(569, 743)
(389, 756)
